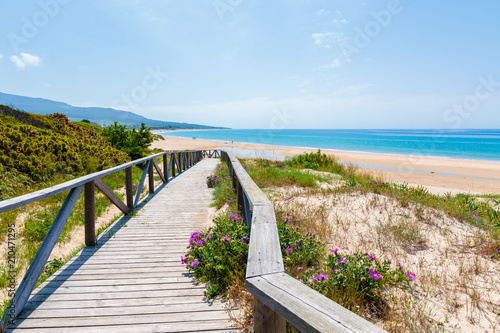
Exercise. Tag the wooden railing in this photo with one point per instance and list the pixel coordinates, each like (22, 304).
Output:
(174, 163)
(279, 297)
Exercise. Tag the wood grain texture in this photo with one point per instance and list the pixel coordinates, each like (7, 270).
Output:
(305, 308)
(133, 280)
(264, 253)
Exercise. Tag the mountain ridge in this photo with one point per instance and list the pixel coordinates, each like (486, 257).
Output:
(102, 116)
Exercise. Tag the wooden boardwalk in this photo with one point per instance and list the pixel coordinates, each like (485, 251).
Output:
(132, 280)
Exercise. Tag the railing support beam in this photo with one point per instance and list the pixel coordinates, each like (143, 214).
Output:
(89, 214)
(31, 277)
(266, 320)
(129, 188)
(151, 177)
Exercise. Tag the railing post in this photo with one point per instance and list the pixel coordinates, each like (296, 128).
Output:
(165, 167)
(239, 198)
(151, 178)
(128, 188)
(89, 214)
(266, 320)
(173, 161)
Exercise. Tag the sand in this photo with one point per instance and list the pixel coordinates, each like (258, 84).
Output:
(435, 183)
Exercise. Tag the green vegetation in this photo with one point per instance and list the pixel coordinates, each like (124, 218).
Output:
(36, 148)
(133, 142)
(267, 173)
(37, 152)
(359, 281)
(218, 255)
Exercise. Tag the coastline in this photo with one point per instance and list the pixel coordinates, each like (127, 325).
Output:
(436, 183)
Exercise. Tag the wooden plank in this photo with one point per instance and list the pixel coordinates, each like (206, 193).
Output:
(31, 277)
(304, 307)
(121, 320)
(111, 196)
(206, 326)
(264, 253)
(129, 188)
(116, 311)
(123, 302)
(90, 238)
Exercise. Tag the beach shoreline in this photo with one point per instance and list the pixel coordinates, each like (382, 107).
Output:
(436, 183)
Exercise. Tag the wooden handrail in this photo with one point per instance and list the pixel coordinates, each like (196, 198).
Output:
(279, 297)
(89, 182)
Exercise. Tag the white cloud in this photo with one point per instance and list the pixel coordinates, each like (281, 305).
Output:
(1, 56)
(353, 90)
(337, 21)
(326, 38)
(26, 60)
(335, 63)
(322, 12)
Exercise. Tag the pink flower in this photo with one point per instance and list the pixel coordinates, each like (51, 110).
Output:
(411, 276)
(289, 250)
(375, 275)
(334, 251)
(300, 268)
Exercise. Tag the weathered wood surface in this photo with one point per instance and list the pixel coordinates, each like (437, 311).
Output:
(264, 253)
(132, 280)
(305, 308)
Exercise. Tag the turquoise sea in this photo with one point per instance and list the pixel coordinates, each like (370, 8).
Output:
(462, 144)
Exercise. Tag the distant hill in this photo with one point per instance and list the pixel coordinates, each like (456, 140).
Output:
(102, 116)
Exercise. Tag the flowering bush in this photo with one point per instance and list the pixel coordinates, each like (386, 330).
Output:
(213, 181)
(354, 280)
(298, 249)
(269, 163)
(218, 256)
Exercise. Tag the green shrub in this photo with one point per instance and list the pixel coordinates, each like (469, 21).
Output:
(213, 181)
(132, 142)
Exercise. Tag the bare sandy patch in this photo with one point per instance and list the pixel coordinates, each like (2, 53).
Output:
(457, 287)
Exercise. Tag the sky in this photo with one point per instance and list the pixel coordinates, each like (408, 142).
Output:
(279, 64)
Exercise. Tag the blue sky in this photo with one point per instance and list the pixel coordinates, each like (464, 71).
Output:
(261, 64)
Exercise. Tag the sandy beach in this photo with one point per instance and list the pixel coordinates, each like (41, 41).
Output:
(436, 183)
